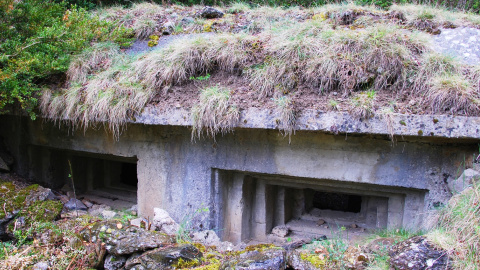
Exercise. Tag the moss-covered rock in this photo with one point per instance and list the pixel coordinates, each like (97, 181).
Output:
(177, 257)
(303, 259)
(42, 211)
(265, 257)
(121, 240)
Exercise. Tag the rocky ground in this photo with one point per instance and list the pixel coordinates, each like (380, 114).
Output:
(47, 229)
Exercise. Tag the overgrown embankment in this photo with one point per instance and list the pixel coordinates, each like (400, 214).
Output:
(351, 58)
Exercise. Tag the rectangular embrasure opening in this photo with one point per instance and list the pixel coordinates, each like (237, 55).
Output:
(251, 205)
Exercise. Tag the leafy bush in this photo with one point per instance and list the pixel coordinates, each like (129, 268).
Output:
(37, 42)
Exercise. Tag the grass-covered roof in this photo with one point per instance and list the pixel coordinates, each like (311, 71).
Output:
(351, 58)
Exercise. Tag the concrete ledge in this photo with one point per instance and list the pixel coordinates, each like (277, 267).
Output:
(442, 126)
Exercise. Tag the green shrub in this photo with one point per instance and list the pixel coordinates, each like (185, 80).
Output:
(37, 42)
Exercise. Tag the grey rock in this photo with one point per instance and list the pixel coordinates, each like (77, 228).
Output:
(75, 204)
(417, 253)
(87, 203)
(40, 194)
(40, 266)
(211, 13)
(465, 180)
(113, 262)
(163, 258)
(272, 259)
(163, 222)
(124, 240)
(346, 17)
(3, 165)
(168, 28)
(187, 20)
(3, 223)
(280, 231)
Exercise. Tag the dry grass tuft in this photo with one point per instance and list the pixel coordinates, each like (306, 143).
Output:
(286, 111)
(445, 88)
(112, 96)
(363, 104)
(214, 114)
(453, 94)
(313, 55)
(98, 57)
(459, 231)
(199, 56)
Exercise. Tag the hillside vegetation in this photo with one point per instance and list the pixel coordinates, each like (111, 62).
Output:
(360, 59)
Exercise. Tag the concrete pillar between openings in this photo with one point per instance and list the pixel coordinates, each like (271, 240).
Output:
(270, 198)
(259, 226)
(370, 204)
(234, 209)
(298, 203)
(308, 193)
(248, 207)
(280, 207)
(382, 213)
(395, 211)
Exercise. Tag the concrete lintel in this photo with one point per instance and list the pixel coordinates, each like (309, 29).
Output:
(442, 126)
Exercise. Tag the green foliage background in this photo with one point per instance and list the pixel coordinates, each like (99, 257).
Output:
(38, 39)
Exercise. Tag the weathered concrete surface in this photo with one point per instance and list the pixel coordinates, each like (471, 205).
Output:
(180, 176)
(441, 126)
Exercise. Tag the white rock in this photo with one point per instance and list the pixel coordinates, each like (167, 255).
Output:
(225, 246)
(40, 266)
(280, 231)
(163, 222)
(107, 214)
(97, 209)
(207, 238)
(138, 222)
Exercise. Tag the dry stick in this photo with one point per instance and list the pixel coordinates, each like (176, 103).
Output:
(74, 257)
(73, 185)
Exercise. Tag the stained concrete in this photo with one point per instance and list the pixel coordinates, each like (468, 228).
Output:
(251, 179)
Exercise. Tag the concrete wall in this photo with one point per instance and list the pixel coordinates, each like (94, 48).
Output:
(182, 176)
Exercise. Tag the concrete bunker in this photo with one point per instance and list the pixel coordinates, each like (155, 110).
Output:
(252, 204)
